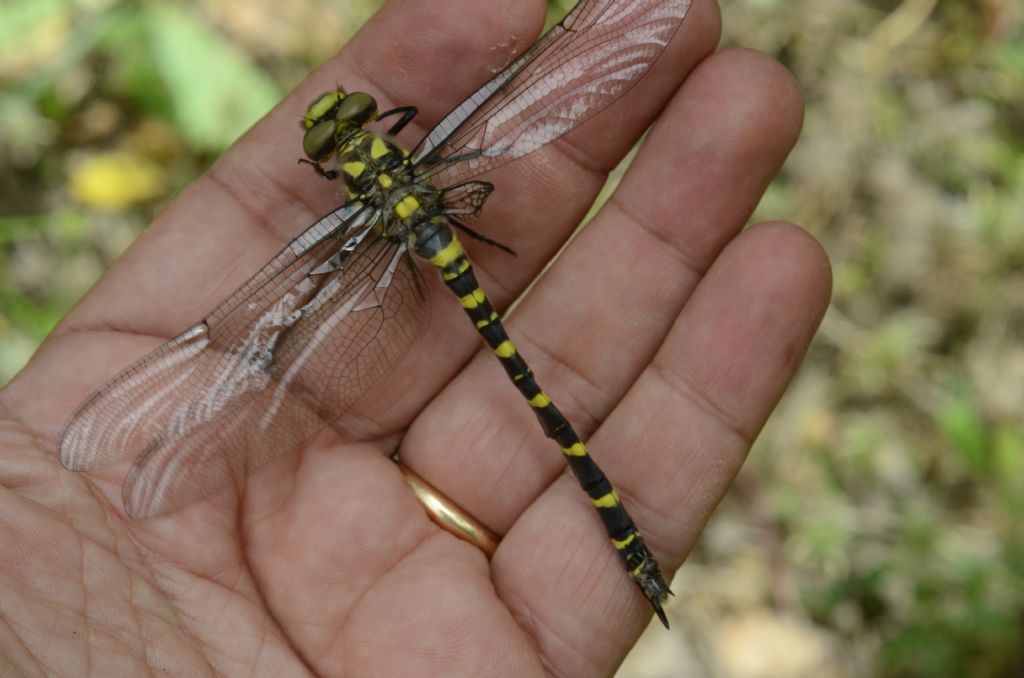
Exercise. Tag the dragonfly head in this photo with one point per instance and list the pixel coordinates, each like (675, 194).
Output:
(331, 117)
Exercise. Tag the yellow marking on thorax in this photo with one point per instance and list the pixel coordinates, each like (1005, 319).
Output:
(450, 253)
(354, 168)
(505, 349)
(619, 545)
(540, 401)
(406, 207)
(378, 149)
(385, 180)
(609, 500)
(575, 450)
(473, 299)
(346, 149)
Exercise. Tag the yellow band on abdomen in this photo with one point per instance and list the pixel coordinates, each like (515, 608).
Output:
(505, 349)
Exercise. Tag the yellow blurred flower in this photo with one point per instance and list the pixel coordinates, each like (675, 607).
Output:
(116, 180)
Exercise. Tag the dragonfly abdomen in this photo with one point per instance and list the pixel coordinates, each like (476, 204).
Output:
(442, 248)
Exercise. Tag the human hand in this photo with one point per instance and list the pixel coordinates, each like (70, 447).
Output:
(664, 334)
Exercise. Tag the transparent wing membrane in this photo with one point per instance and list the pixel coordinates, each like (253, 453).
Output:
(579, 67)
(466, 200)
(285, 355)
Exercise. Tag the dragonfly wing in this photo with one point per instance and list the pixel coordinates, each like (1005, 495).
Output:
(286, 354)
(349, 335)
(466, 200)
(121, 419)
(579, 67)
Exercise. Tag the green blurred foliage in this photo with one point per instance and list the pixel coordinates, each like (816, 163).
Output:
(892, 473)
(883, 502)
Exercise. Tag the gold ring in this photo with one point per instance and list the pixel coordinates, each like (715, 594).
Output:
(449, 515)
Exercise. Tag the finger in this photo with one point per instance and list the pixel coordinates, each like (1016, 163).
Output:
(593, 322)
(674, 444)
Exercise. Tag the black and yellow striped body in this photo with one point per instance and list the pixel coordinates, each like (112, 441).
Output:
(378, 172)
(441, 247)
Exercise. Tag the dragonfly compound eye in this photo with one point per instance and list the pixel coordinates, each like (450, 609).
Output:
(319, 141)
(358, 108)
(323, 107)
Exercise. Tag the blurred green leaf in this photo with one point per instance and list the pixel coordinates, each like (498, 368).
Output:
(963, 426)
(1009, 453)
(216, 92)
(13, 229)
(23, 23)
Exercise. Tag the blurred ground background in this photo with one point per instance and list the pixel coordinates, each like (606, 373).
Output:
(876, 529)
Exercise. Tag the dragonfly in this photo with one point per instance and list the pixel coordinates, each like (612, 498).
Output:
(306, 337)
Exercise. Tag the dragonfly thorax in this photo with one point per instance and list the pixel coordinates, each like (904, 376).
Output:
(374, 168)
(372, 165)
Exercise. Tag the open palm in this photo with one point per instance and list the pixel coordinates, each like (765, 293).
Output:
(663, 333)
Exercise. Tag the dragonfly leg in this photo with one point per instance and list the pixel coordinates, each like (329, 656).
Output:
(408, 113)
(319, 169)
(481, 237)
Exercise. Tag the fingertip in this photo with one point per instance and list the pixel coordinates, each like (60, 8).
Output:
(751, 321)
(779, 104)
(703, 24)
(799, 256)
(754, 102)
